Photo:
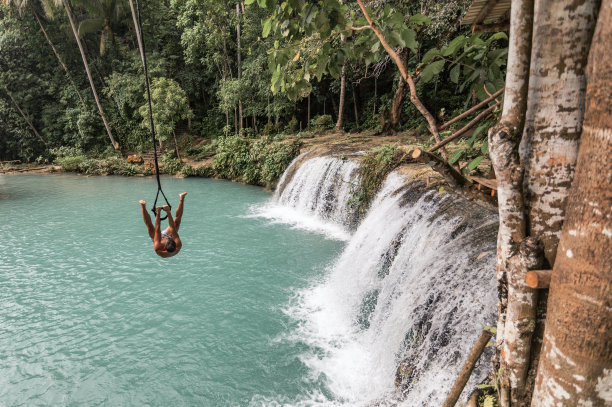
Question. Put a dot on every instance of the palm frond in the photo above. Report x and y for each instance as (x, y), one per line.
(90, 25)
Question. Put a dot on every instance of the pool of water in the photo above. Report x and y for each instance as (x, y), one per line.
(91, 316)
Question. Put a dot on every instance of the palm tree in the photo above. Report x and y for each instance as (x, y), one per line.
(103, 15)
(93, 87)
(21, 5)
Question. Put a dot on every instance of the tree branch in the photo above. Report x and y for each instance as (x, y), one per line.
(433, 127)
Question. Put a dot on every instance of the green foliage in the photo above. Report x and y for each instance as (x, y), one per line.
(205, 171)
(259, 162)
(373, 169)
(316, 38)
(170, 107)
(473, 150)
(474, 63)
(93, 166)
(322, 122)
(170, 165)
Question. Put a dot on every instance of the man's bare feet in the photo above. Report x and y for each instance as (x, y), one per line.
(166, 208)
(182, 196)
(143, 202)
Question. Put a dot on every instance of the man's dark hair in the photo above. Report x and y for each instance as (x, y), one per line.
(170, 245)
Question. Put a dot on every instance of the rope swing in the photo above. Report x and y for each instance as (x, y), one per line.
(143, 57)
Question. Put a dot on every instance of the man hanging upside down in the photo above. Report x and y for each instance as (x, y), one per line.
(166, 243)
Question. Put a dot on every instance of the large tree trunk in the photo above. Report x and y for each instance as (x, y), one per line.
(576, 364)
(533, 178)
(504, 141)
(91, 83)
(59, 58)
(239, 64)
(341, 101)
(561, 40)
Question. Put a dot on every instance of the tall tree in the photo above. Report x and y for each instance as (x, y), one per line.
(102, 16)
(91, 82)
(534, 165)
(22, 5)
(576, 364)
(238, 55)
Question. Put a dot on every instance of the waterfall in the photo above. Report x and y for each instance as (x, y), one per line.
(412, 289)
(316, 195)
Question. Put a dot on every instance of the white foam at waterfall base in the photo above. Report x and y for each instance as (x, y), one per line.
(360, 322)
(317, 198)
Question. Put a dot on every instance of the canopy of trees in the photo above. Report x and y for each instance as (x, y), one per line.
(221, 68)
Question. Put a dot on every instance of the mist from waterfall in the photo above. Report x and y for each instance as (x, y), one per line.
(414, 286)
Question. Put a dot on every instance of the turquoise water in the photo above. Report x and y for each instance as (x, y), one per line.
(91, 316)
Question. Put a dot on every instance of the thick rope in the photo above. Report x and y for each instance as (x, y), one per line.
(143, 57)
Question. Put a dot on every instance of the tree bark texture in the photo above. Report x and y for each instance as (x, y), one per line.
(561, 40)
(342, 97)
(521, 319)
(576, 364)
(504, 141)
(91, 83)
(398, 97)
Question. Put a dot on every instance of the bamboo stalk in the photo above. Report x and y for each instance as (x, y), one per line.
(468, 367)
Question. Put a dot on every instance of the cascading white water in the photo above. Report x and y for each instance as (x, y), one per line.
(317, 196)
(414, 286)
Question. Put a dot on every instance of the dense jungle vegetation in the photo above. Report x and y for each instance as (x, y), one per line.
(236, 79)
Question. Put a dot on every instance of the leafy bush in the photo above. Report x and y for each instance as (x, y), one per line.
(205, 171)
(170, 165)
(322, 122)
(258, 162)
(71, 163)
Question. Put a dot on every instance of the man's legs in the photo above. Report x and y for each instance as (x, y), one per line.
(179, 211)
(147, 219)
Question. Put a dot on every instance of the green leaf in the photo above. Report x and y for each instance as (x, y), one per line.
(249, 2)
(419, 20)
(454, 45)
(497, 36)
(409, 37)
(480, 129)
(431, 54)
(455, 156)
(267, 26)
(474, 163)
(454, 74)
(396, 39)
(396, 19)
(432, 69)
(485, 147)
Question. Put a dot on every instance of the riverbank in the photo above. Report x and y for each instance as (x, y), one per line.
(260, 161)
